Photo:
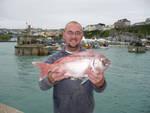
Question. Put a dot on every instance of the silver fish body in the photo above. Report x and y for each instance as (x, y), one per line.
(75, 65)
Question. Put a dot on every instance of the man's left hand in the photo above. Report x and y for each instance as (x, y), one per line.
(96, 78)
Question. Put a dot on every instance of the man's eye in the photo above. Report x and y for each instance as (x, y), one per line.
(78, 33)
(70, 32)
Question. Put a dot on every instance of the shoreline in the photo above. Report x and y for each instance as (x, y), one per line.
(8, 41)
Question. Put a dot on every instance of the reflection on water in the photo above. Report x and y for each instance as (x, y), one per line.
(128, 89)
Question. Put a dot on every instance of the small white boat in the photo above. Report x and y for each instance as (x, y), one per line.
(104, 47)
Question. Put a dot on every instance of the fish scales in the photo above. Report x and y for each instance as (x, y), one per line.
(76, 64)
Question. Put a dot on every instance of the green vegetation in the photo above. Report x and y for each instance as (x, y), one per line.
(5, 37)
(97, 33)
(105, 33)
(91, 34)
(141, 31)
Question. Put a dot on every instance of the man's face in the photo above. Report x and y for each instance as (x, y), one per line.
(73, 35)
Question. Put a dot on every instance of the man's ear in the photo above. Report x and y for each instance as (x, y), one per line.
(63, 37)
(63, 34)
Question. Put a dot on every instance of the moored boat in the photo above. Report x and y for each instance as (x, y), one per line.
(136, 47)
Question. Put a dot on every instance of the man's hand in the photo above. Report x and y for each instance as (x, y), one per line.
(56, 74)
(96, 78)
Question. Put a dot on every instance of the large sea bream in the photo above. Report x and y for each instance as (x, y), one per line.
(76, 64)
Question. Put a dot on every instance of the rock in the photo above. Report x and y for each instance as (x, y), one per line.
(7, 109)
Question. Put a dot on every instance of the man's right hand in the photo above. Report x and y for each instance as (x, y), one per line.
(56, 74)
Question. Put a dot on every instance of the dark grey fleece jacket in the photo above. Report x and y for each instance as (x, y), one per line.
(70, 96)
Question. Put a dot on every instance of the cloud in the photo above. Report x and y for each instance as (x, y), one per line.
(56, 13)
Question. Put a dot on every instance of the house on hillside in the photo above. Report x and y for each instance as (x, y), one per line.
(94, 27)
(147, 21)
(122, 23)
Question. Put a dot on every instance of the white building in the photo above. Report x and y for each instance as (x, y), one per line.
(93, 27)
(122, 23)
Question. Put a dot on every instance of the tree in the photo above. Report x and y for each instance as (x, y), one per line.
(5, 37)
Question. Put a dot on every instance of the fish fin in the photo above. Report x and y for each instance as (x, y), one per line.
(44, 68)
(84, 81)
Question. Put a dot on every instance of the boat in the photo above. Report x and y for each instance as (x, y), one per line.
(136, 47)
(104, 47)
(147, 47)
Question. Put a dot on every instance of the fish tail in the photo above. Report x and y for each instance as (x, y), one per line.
(44, 68)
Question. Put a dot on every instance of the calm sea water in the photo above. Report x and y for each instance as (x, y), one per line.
(128, 79)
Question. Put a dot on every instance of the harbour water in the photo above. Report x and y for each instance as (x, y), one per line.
(128, 79)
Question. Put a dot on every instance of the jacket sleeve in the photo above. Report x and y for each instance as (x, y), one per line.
(100, 89)
(44, 84)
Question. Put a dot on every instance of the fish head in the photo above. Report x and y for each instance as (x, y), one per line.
(100, 64)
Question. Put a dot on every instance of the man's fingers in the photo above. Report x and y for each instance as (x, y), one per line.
(57, 76)
(94, 77)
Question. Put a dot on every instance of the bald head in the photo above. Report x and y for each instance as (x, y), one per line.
(73, 22)
(72, 35)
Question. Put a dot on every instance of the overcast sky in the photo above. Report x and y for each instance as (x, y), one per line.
(56, 13)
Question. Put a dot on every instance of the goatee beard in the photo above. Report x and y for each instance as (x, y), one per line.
(74, 46)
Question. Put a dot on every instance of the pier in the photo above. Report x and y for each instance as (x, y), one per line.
(27, 44)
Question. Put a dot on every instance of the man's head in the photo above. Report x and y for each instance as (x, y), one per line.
(72, 35)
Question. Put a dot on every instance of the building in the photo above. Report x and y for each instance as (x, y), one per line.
(146, 22)
(94, 27)
(122, 23)
(27, 44)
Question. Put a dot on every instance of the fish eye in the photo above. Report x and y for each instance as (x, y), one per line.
(103, 61)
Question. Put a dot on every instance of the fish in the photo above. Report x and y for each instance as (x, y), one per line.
(76, 64)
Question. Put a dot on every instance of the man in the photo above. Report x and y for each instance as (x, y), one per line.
(69, 95)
